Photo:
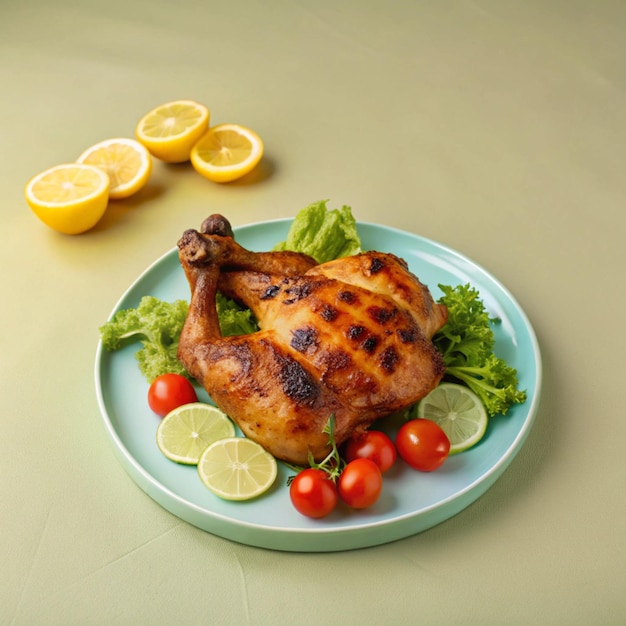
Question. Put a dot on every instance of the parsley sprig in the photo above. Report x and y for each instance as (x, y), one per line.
(467, 342)
(332, 463)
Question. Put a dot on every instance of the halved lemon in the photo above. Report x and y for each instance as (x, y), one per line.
(170, 130)
(237, 469)
(127, 163)
(460, 413)
(186, 432)
(227, 152)
(70, 198)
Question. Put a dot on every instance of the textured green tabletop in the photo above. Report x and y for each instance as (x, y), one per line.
(496, 128)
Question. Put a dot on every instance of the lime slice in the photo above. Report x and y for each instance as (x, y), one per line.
(237, 469)
(186, 432)
(459, 412)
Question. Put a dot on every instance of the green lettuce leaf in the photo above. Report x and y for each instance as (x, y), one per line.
(234, 319)
(323, 233)
(157, 325)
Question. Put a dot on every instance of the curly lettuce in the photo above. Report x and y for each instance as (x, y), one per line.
(157, 325)
(234, 319)
(466, 342)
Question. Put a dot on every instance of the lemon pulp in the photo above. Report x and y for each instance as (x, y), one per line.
(126, 161)
(170, 130)
(70, 198)
(227, 152)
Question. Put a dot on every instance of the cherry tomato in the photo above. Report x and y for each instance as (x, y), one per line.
(373, 445)
(423, 444)
(169, 391)
(360, 483)
(313, 493)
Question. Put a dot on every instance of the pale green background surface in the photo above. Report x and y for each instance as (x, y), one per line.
(497, 128)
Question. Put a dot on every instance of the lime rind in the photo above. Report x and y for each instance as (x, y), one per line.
(186, 432)
(460, 413)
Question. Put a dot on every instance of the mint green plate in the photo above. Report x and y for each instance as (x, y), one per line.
(411, 501)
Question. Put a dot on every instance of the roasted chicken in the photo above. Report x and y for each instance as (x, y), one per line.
(351, 337)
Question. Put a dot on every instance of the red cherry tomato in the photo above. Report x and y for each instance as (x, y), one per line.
(169, 391)
(360, 483)
(422, 444)
(313, 493)
(373, 445)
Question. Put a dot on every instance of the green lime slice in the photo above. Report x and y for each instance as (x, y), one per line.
(186, 432)
(237, 469)
(460, 413)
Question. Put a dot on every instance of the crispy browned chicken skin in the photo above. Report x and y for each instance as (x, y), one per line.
(351, 337)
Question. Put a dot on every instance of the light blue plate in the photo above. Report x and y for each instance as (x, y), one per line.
(411, 501)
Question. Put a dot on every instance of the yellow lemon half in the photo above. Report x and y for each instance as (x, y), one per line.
(170, 130)
(70, 198)
(127, 163)
(227, 152)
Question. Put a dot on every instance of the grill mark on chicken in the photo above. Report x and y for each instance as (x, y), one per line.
(354, 332)
(367, 341)
(381, 315)
(369, 344)
(376, 265)
(389, 359)
(329, 313)
(303, 339)
(297, 383)
(297, 292)
(407, 335)
(349, 297)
